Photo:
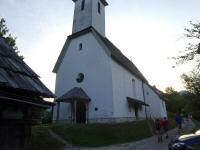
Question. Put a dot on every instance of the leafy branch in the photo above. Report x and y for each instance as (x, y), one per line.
(192, 50)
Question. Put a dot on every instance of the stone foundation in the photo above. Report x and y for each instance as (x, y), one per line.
(104, 120)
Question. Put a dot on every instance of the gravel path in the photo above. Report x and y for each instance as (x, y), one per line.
(146, 144)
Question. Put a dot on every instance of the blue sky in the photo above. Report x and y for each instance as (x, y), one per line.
(146, 31)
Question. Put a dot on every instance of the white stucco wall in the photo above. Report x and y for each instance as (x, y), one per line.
(163, 110)
(98, 20)
(89, 16)
(157, 108)
(106, 82)
(122, 88)
(95, 64)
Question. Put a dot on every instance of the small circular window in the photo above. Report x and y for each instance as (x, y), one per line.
(80, 77)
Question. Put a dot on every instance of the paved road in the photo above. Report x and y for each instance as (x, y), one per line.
(146, 144)
(152, 144)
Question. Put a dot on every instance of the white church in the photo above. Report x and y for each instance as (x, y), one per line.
(95, 82)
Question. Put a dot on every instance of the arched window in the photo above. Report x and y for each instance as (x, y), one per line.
(99, 8)
(80, 46)
(83, 5)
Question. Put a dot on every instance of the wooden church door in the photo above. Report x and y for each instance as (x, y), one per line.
(80, 112)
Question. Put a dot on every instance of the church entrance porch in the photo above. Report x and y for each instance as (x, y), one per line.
(79, 102)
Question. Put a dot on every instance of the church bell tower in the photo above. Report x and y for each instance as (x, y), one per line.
(89, 13)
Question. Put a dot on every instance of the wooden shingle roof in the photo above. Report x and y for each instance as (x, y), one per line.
(16, 74)
(74, 94)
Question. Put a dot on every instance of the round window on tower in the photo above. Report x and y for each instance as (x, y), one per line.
(80, 77)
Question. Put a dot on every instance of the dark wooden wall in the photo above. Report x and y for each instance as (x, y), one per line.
(14, 135)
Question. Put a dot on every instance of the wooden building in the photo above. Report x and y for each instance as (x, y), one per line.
(21, 98)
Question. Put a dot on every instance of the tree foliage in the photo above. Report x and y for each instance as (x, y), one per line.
(4, 32)
(192, 50)
(170, 90)
(192, 84)
(192, 81)
(3, 28)
(175, 101)
(183, 102)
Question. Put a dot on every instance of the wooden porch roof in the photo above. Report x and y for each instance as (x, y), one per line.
(74, 94)
(135, 101)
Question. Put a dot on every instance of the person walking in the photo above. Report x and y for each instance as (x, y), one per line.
(158, 130)
(178, 120)
(166, 127)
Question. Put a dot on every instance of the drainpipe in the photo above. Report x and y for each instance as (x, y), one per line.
(144, 99)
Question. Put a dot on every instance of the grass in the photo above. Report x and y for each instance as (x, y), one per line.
(41, 140)
(96, 135)
(91, 135)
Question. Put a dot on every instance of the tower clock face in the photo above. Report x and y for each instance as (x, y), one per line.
(80, 77)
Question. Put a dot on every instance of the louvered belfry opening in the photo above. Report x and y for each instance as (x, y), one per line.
(79, 102)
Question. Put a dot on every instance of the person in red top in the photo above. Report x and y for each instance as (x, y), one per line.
(165, 126)
(158, 129)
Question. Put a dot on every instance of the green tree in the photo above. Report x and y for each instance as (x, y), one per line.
(191, 81)
(3, 28)
(192, 84)
(170, 90)
(175, 101)
(4, 32)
